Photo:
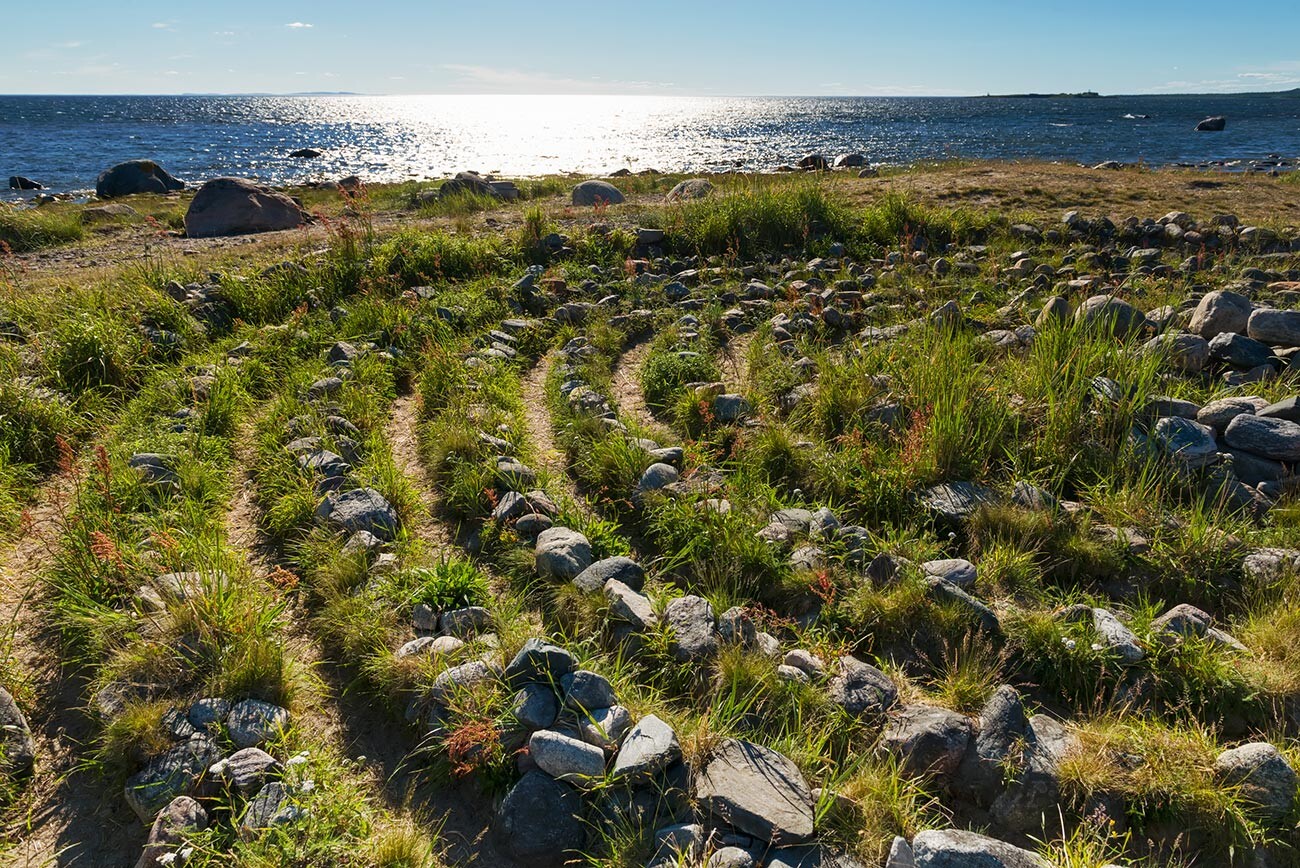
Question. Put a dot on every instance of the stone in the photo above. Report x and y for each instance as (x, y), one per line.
(693, 634)
(590, 193)
(657, 476)
(561, 553)
(1218, 312)
(860, 688)
(928, 740)
(957, 571)
(465, 623)
(1188, 443)
(1117, 637)
(736, 627)
(534, 707)
(806, 662)
(1182, 352)
(1287, 409)
(431, 645)
(1238, 351)
(110, 213)
(1112, 314)
(900, 854)
(756, 790)
(680, 844)
(605, 727)
(358, 510)
(540, 821)
(18, 182)
(947, 594)
(206, 714)
(730, 857)
(1267, 780)
(1030, 803)
(253, 722)
(649, 748)
(785, 672)
(810, 856)
(955, 501)
(564, 758)
(17, 747)
(1215, 124)
(1277, 328)
(1003, 728)
(628, 606)
(245, 770)
(236, 206)
(462, 677)
(1277, 439)
(538, 661)
(956, 848)
(618, 569)
(1218, 414)
(270, 807)
(171, 774)
(730, 408)
(135, 176)
(182, 816)
(585, 690)
(692, 188)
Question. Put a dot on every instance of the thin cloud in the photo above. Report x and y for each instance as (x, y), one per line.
(299, 25)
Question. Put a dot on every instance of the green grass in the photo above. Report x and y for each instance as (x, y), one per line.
(29, 230)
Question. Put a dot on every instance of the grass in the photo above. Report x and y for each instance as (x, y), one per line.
(29, 230)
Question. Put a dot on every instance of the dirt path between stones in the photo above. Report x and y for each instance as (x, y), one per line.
(734, 360)
(64, 816)
(404, 442)
(626, 387)
(541, 433)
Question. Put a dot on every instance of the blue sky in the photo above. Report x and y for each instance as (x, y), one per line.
(669, 47)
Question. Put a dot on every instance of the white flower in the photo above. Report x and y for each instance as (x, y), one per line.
(166, 858)
(308, 785)
(187, 852)
(298, 759)
(1068, 643)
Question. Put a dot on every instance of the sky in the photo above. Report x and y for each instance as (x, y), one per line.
(701, 47)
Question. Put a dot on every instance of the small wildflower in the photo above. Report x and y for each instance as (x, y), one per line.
(308, 785)
(166, 858)
(298, 759)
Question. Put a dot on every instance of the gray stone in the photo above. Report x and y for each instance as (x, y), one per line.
(785, 672)
(1189, 443)
(1112, 314)
(183, 816)
(806, 662)
(900, 854)
(736, 627)
(465, 623)
(691, 622)
(17, 747)
(947, 594)
(628, 606)
(358, 510)
(565, 758)
(236, 206)
(208, 713)
(692, 188)
(245, 770)
(1277, 328)
(730, 857)
(269, 808)
(1269, 438)
(860, 688)
(252, 722)
(431, 645)
(1220, 311)
(597, 193)
(1182, 620)
(648, 749)
(1218, 414)
(757, 791)
(1117, 637)
(1239, 351)
(957, 571)
(541, 662)
(535, 707)
(585, 690)
(1030, 803)
(955, 848)
(657, 476)
(605, 727)
(562, 553)
(540, 821)
(928, 740)
(172, 774)
(955, 501)
(1003, 728)
(1182, 352)
(679, 844)
(135, 176)
(1267, 780)
(619, 569)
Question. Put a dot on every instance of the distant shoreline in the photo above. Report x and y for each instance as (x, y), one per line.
(1293, 93)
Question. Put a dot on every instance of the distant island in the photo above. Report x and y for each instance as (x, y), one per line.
(1087, 94)
(1092, 94)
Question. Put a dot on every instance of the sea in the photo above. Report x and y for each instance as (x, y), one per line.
(64, 142)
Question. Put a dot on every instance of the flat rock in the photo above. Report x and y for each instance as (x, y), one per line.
(564, 758)
(619, 569)
(1269, 438)
(628, 606)
(955, 848)
(172, 774)
(694, 633)
(358, 510)
(957, 571)
(860, 688)
(649, 748)
(756, 790)
(252, 722)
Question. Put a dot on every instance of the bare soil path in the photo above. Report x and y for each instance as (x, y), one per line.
(64, 816)
(541, 432)
(626, 387)
(404, 442)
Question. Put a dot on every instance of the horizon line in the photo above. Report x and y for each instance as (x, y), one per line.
(345, 93)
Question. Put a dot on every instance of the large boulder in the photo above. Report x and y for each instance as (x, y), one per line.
(1218, 312)
(692, 188)
(597, 193)
(358, 510)
(1215, 124)
(136, 176)
(235, 206)
(1270, 438)
(540, 820)
(1265, 777)
(757, 791)
(1277, 328)
(1113, 314)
